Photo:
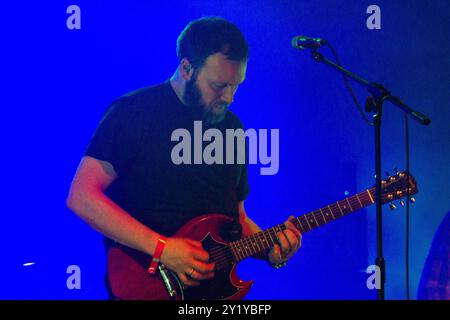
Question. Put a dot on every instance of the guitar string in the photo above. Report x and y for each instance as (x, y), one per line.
(249, 242)
(224, 254)
(227, 252)
(318, 213)
(251, 239)
(251, 247)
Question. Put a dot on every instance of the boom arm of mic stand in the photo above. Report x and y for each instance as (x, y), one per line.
(416, 115)
(377, 90)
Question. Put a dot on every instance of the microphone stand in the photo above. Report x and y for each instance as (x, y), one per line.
(378, 94)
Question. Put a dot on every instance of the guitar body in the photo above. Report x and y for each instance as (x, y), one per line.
(129, 280)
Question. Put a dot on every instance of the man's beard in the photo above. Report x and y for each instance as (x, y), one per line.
(193, 98)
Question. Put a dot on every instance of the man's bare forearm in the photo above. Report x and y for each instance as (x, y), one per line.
(105, 216)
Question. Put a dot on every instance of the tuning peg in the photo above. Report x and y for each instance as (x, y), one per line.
(412, 199)
(401, 203)
(392, 206)
(388, 174)
(396, 170)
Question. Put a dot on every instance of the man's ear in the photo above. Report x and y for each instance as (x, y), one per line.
(186, 69)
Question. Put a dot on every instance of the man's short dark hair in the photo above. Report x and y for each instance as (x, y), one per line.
(209, 35)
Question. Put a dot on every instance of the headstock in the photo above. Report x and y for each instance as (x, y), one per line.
(395, 187)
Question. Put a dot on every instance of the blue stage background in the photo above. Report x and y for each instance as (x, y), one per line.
(56, 84)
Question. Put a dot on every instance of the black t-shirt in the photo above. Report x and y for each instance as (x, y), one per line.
(134, 135)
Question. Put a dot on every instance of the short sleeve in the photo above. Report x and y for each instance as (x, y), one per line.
(114, 140)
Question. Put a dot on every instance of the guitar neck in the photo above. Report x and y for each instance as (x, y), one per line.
(258, 243)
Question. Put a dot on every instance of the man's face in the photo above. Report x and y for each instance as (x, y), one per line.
(212, 88)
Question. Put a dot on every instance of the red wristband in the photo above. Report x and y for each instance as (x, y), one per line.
(157, 255)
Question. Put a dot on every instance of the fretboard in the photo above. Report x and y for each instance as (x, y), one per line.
(258, 243)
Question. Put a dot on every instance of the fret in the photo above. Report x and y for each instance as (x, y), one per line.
(273, 242)
(265, 239)
(345, 207)
(342, 214)
(255, 247)
(324, 219)
(314, 216)
(306, 218)
(245, 247)
(265, 242)
(349, 204)
(318, 217)
(274, 234)
(234, 252)
(257, 242)
(370, 196)
(359, 201)
(297, 224)
(241, 249)
(252, 245)
(250, 240)
(311, 220)
(238, 250)
(303, 228)
(329, 208)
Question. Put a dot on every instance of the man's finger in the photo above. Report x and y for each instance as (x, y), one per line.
(296, 232)
(204, 267)
(200, 254)
(186, 281)
(292, 238)
(284, 243)
(290, 225)
(196, 275)
(288, 236)
(275, 254)
(196, 244)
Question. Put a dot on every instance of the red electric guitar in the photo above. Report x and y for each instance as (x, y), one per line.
(127, 268)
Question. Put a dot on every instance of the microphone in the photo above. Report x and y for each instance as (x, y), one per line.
(302, 42)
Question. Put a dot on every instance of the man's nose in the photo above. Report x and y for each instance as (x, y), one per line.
(228, 95)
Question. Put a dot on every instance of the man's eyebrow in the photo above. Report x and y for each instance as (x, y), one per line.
(218, 82)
